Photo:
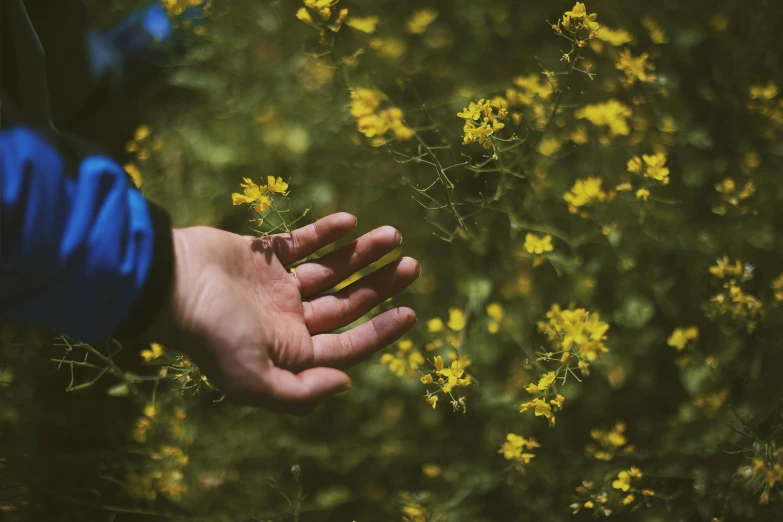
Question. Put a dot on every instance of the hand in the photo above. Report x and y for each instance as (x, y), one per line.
(260, 332)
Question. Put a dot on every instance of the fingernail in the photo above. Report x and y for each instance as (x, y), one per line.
(347, 387)
(355, 221)
(418, 269)
(399, 238)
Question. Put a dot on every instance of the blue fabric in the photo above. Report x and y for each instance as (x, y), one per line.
(76, 241)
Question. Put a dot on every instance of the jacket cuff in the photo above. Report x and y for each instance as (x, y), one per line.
(159, 283)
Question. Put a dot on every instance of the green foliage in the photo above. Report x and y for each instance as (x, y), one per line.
(630, 177)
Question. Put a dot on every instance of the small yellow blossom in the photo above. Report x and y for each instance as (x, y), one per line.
(134, 172)
(276, 185)
(420, 20)
(457, 320)
(642, 194)
(585, 192)
(654, 29)
(538, 245)
(635, 68)
(154, 352)
(611, 114)
(304, 15)
(433, 401)
(495, 311)
(435, 325)
(680, 337)
(366, 24)
(540, 407)
(614, 37)
(623, 481)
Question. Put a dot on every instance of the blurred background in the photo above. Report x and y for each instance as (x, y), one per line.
(261, 88)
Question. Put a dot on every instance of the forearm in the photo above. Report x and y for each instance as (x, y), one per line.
(81, 251)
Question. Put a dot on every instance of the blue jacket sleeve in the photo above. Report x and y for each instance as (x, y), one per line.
(81, 250)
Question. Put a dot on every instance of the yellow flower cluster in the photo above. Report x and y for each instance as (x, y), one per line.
(585, 192)
(764, 472)
(635, 68)
(538, 245)
(155, 350)
(439, 332)
(532, 92)
(323, 8)
(732, 197)
(578, 18)
(481, 122)
(609, 443)
(734, 302)
(576, 332)
(259, 196)
(680, 337)
(406, 361)
(446, 379)
(624, 479)
(611, 114)
(652, 166)
(765, 101)
(374, 122)
(141, 146)
(540, 405)
(518, 450)
(619, 496)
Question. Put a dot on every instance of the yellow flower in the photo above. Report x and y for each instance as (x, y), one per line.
(432, 400)
(635, 68)
(435, 325)
(578, 11)
(142, 132)
(541, 408)
(405, 345)
(538, 245)
(628, 499)
(457, 319)
(279, 186)
(438, 361)
(253, 194)
(366, 24)
(473, 111)
(304, 15)
(655, 167)
(656, 32)
(614, 37)
(585, 192)
(150, 410)
(134, 173)
(680, 337)
(426, 379)
(624, 187)
(623, 481)
(642, 194)
(611, 114)
(764, 92)
(495, 311)
(546, 381)
(635, 472)
(420, 20)
(154, 352)
(388, 47)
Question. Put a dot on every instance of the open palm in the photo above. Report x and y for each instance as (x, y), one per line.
(260, 331)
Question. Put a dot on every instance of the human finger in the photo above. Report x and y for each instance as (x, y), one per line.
(331, 311)
(322, 274)
(345, 349)
(298, 393)
(300, 243)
